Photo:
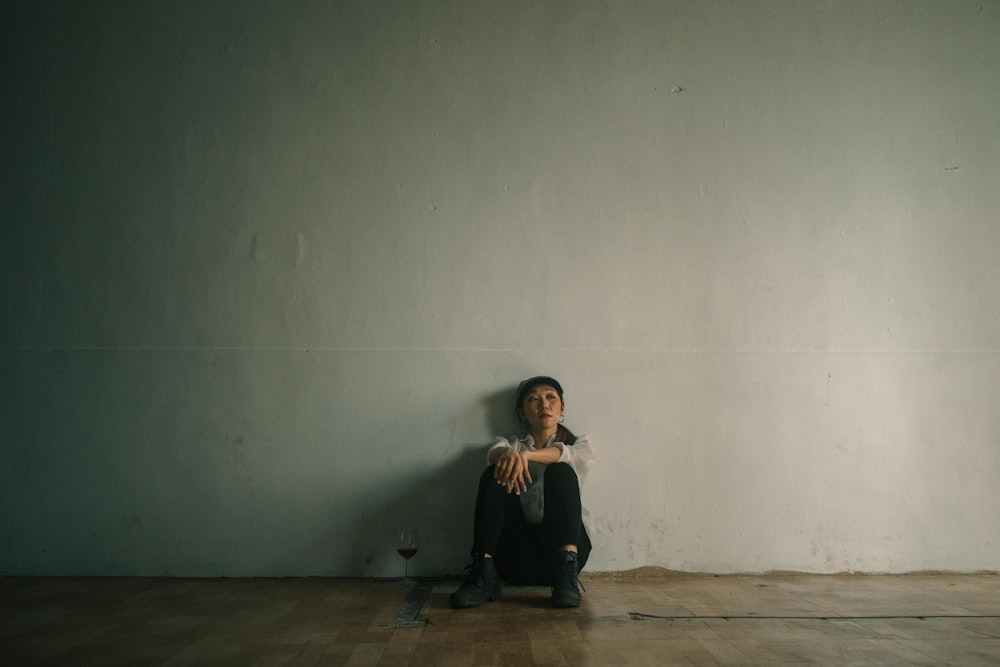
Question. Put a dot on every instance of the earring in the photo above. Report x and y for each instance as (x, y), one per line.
(562, 418)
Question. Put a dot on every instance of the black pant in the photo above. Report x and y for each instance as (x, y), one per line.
(525, 553)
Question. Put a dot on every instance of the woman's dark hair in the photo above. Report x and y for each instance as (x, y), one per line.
(563, 434)
(537, 381)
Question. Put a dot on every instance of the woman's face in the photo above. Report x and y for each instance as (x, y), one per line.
(541, 407)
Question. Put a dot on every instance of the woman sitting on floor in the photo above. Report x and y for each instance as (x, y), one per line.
(528, 527)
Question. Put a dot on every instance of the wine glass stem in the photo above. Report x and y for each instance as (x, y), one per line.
(406, 564)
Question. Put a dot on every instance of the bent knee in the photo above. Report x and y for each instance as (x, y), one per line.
(560, 472)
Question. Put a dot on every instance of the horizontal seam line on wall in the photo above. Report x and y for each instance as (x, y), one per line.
(619, 350)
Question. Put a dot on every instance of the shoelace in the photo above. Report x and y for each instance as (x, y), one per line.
(565, 575)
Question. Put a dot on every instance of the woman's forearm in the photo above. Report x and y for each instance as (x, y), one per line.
(545, 455)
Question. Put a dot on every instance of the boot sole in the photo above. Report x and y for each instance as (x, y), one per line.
(563, 603)
(462, 604)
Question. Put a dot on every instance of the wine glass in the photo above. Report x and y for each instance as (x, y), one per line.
(407, 543)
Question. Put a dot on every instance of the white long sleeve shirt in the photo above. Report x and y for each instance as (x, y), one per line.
(580, 456)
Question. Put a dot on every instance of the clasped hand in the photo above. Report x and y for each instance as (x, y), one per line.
(511, 471)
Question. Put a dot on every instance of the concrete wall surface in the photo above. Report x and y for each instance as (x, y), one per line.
(270, 272)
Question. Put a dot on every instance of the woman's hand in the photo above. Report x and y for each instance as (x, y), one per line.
(511, 471)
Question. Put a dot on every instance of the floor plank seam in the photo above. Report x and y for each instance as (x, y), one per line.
(637, 616)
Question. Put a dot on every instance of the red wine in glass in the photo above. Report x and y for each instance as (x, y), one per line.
(407, 543)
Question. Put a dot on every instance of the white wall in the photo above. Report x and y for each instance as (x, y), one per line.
(270, 272)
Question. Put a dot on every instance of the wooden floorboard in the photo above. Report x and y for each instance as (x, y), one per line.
(673, 620)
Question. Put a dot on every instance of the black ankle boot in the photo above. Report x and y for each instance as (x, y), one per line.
(481, 585)
(564, 591)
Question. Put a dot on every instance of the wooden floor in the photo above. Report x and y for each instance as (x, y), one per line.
(673, 620)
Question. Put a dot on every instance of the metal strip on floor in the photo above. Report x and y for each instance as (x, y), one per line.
(407, 615)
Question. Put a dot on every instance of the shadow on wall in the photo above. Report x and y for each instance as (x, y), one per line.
(437, 501)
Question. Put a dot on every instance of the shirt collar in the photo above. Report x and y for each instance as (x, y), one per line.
(529, 441)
